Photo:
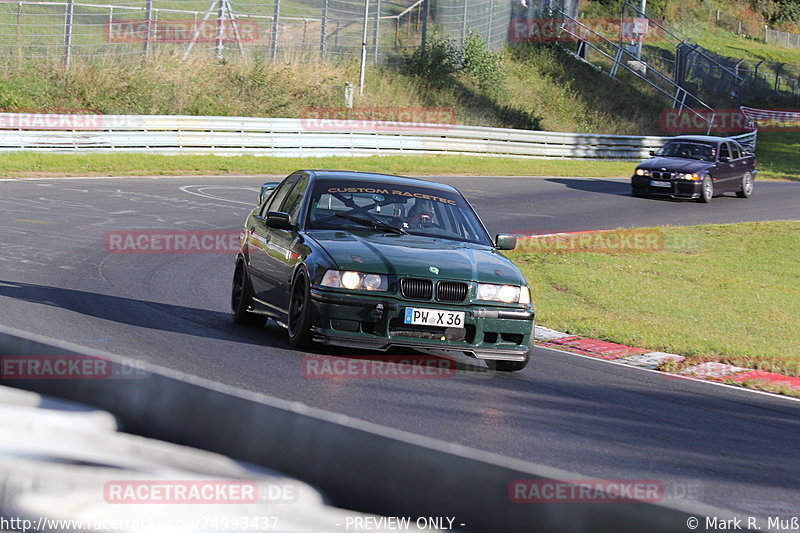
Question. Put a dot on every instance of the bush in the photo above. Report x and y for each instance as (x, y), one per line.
(778, 11)
(436, 64)
(485, 65)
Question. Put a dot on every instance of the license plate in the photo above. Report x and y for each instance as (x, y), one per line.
(434, 317)
(654, 183)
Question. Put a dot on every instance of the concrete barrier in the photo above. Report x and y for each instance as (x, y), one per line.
(359, 465)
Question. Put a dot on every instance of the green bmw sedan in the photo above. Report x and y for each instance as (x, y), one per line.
(373, 261)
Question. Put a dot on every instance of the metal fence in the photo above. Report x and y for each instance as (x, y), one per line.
(488, 18)
(311, 29)
(625, 61)
(274, 29)
(293, 137)
(782, 38)
(718, 80)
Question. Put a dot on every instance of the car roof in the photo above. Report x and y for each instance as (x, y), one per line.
(704, 138)
(376, 177)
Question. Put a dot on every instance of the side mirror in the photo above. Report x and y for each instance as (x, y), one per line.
(724, 159)
(276, 219)
(652, 152)
(266, 190)
(505, 241)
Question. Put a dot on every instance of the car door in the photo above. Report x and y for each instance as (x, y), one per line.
(260, 248)
(726, 168)
(283, 245)
(739, 164)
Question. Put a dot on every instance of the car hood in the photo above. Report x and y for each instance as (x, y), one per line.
(411, 255)
(675, 164)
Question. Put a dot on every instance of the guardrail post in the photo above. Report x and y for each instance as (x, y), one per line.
(68, 15)
(323, 30)
(275, 17)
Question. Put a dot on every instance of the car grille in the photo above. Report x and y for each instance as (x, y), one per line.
(656, 175)
(451, 291)
(416, 289)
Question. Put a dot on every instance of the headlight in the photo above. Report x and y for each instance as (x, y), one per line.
(642, 172)
(351, 280)
(690, 177)
(355, 280)
(509, 294)
(374, 282)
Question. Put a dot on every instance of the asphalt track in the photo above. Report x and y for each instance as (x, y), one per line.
(719, 445)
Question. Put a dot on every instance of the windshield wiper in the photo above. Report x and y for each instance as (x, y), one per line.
(372, 223)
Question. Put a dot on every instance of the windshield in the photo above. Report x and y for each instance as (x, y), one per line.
(393, 208)
(688, 150)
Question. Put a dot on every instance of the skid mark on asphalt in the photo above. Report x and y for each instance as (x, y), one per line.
(200, 191)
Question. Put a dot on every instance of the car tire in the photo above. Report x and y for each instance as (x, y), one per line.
(241, 296)
(637, 194)
(747, 186)
(298, 321)
(706, 190)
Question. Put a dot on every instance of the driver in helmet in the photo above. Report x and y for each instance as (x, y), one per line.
(421, 215)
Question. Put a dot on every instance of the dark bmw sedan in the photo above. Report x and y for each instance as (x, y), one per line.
(696, 167)
(373, 261)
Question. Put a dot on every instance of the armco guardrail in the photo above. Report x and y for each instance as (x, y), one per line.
(293, 137)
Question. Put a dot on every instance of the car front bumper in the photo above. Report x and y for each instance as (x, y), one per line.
(676, 189)
(376, 323)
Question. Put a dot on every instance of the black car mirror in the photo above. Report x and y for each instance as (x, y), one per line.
(652, 152)
(276, 219)
(266, 190)
(505, 241)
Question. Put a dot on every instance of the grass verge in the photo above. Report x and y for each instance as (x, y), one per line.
(26, 164)
(778, 155)
(725, 293)
(777, 159)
